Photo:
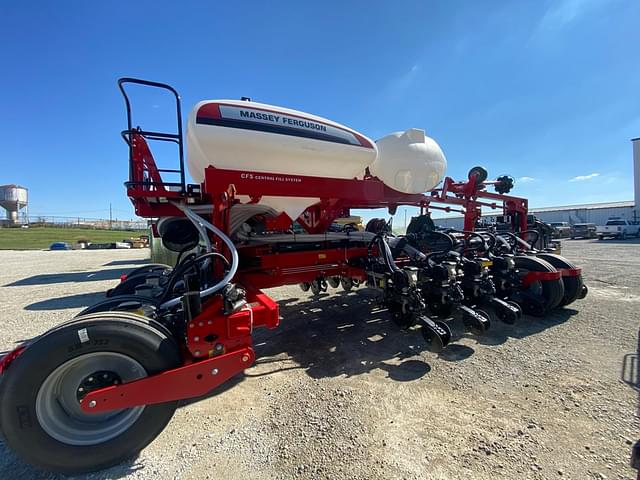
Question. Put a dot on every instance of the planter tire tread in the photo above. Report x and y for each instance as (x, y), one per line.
(126, 334)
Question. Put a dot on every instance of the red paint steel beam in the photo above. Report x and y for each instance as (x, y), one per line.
(180, 383)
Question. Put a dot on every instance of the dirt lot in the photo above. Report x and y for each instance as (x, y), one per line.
(338, 392)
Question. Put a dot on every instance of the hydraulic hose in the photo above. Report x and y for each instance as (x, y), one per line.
(201, 224)
(189, 262)
(517, 240)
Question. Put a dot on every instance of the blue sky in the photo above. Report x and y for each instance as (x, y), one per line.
(547, 91)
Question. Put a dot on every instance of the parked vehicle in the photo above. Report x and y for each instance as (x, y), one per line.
(561, 229)
(583, 230)
(617, 227)
(60, 246)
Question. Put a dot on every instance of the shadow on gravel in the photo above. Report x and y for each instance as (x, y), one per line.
(71, 301)
(12, 467)
(51, 278)
(347, 334)
(341, 334)
(456, 352)
(116, 263)
(525, 327)
(228, 385)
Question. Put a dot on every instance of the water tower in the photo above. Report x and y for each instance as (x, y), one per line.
(13, 198)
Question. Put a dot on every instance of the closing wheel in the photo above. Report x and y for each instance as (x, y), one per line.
(476, 321)
(517, 307)
(572, 285)
(550, 292)
(334, 282)
(305, 286)
(40, 393)
(347, 284)
(445, 331)
(437, 335)
(507, 312)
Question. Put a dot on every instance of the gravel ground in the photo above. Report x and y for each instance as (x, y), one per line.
(339, 393)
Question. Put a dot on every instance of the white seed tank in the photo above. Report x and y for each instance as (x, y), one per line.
(245, 135)
(409, 162)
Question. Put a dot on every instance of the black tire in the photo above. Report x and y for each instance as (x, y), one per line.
(572, 285)
(127, 335)
(507, 316)
(113, 304)
(480, 173)
(552, 290)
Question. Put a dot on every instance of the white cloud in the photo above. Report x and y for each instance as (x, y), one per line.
(583, 178)
(564, 12)
(406, 79)
(402, 83)
(526, 179)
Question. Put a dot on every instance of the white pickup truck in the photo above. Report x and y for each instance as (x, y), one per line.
(617, 227)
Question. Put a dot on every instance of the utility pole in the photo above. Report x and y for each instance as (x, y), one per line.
(110, 215)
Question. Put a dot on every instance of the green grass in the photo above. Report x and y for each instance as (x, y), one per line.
(36, 238)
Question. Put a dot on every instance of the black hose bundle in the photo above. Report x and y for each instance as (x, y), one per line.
(189, 262)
